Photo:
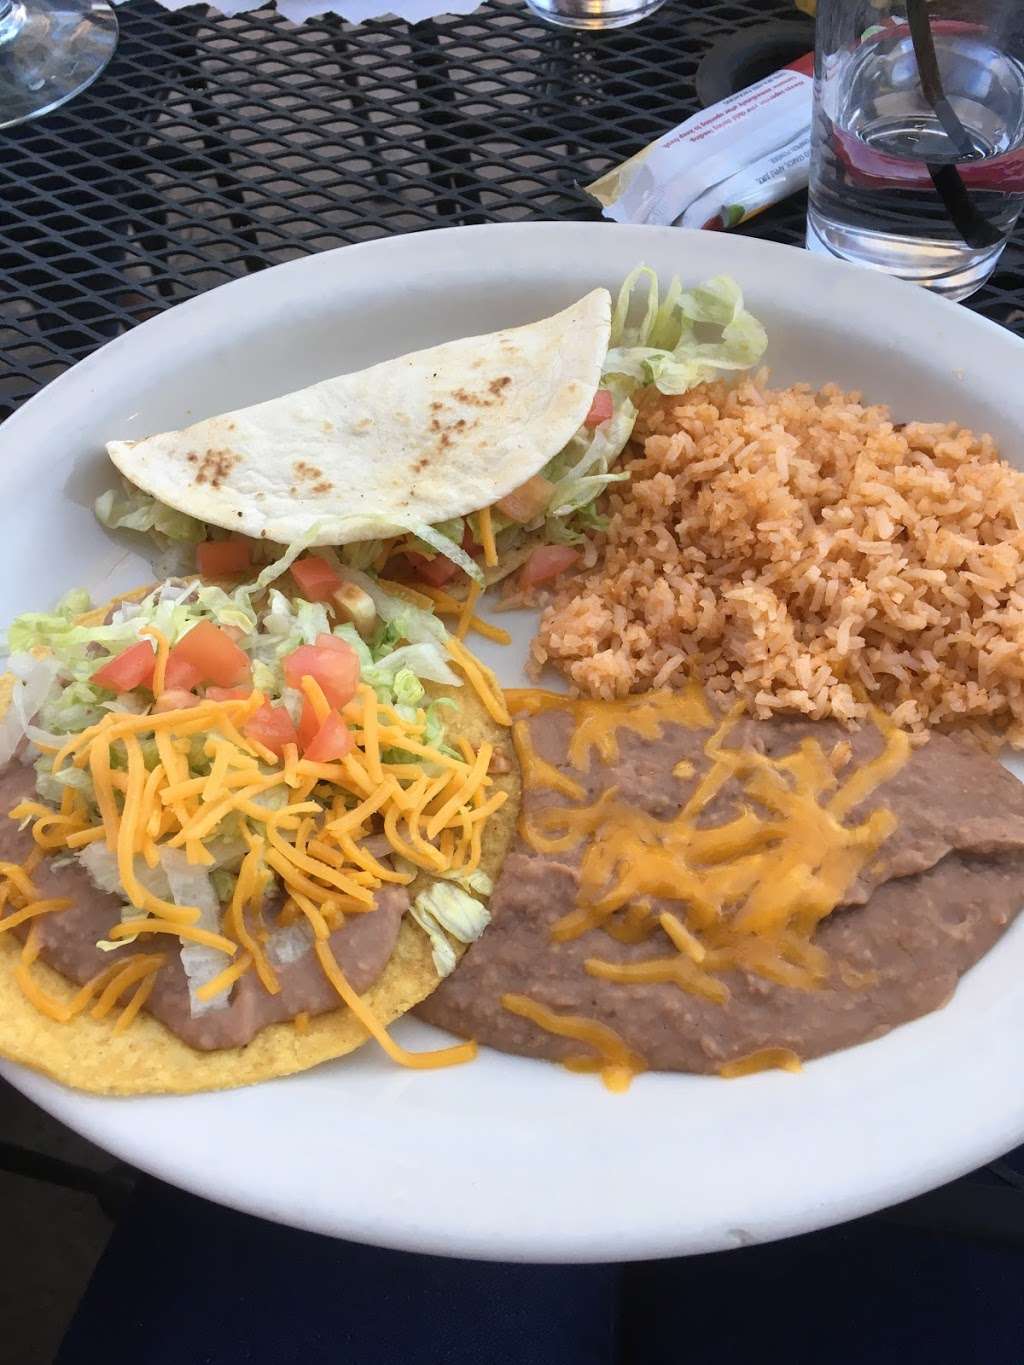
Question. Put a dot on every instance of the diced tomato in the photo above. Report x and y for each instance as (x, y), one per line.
(174, 699)
(272, 727)
(547, 562)
(222, 558)
(336, 670)
(180, 674)
(133, 667)
(332, 740)
(600, 409)
(228, 693)
(437, 571)
(527, 501)
(315, 579)
(308, 725)
(326, 641)
(214, 654)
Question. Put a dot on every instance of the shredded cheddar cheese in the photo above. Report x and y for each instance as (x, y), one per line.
(315, 694)
(485, 534)
(431, 804)
(138, 1000)
(30, 911)
(226, 979)
(418, 1061)
(767, 1059)
(612, 1057)
(447, 605)
(466, 614)
(482, 680)
(163, 649)
(130, 971)
(750, 889)
(403, 590)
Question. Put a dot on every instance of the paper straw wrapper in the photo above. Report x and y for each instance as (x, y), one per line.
(723, 165)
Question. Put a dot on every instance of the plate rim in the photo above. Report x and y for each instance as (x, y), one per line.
(403, 1232)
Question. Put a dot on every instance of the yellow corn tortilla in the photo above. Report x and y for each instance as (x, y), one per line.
(147, 1059)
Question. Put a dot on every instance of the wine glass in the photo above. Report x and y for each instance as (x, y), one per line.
(49, 51)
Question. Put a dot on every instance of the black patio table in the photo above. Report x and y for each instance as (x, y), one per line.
(212, 147)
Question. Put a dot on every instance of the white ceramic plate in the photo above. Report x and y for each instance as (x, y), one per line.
(509, 1158)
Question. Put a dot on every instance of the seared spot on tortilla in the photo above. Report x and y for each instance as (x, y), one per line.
(302, 470)
(322, 487)
(215, 466)
(482, 400)
(328, 426)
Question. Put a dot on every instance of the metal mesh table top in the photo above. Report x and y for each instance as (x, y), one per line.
(211, 147)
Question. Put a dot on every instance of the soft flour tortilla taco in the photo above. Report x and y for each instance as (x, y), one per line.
(470, 460)
(245, 838)
(418, 439)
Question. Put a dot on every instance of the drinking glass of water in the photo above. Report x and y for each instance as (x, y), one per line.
(594, 14)
(917, 164)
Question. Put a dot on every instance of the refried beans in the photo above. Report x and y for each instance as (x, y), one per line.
(924, 903)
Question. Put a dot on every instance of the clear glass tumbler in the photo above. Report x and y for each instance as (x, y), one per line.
(49, 51)
(917, 163)
(594, 14)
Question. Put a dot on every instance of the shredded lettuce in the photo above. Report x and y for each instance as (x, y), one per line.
(101, 864)
(667, 341)
(445, 908)
(51, 786)
(223, 884)
(438, 542)
(666, 347)
(453, 529)
(129, 509)
(407, 687)
(56, 657)
(193, 886)
(362, 554)
(582, 471)
(422, 660)
(173, 608)
(433, 733)
(34, 681)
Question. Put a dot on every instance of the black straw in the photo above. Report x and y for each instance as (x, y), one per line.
(972, 225)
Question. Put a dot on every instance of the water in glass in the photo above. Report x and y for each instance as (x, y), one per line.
(878, 142)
